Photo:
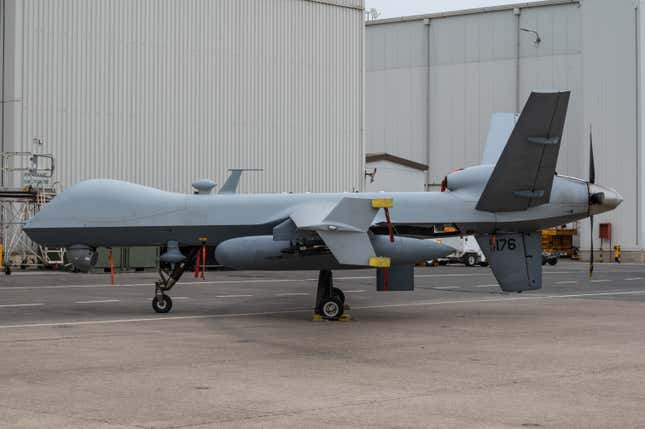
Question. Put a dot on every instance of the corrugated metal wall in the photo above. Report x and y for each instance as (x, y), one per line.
(610, 84)
(432, 86)
(162, 92)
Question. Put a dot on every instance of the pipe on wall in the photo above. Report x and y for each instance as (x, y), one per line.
(517, 12)
(639, 175)
(2, 83)
(426, 22)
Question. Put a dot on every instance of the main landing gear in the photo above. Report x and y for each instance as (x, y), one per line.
(161, 303)
(330, 301)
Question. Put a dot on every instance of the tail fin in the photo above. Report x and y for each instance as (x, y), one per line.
(233, 181)
(523, 174)
(231, 184)
(501, 127)
(515, 258)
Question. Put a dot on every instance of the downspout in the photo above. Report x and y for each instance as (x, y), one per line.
(639, 199)
(362, 180)
(2, 148)
(517, 12)
(2, 83)
(426, 22)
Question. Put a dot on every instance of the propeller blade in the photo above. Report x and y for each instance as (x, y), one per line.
(592, 164)
(591, 248)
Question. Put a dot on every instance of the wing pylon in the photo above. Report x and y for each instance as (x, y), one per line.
(344, 226)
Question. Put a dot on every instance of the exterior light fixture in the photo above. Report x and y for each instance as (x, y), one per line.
(537, 40)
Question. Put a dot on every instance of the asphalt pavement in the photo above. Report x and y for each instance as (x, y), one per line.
(239, 349)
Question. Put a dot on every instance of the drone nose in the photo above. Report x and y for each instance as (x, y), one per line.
(602, 199)
(612, 199)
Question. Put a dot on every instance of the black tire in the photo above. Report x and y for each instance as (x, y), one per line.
(162, 306)
(339, 294)
(470, 260)
(553, 261)
(483, 264)
(331, 308)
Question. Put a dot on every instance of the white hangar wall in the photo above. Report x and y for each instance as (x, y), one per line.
(162, 92)
(433, 81)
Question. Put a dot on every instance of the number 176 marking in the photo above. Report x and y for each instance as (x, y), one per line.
(501, 244)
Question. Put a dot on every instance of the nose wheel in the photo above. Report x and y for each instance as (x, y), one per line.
(162, 303)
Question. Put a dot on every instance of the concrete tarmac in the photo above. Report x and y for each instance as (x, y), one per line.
(240, 350)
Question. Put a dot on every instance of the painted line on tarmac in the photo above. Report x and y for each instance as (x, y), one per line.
(600, 281)
(527, 298)
(483, 286)
(232, 296)
(355, 291)
(152, 319)
(80, 286)
(293, 294)
(303, 310)
(39, 273)
(446, 287)
(36, 304)
(633, 279)
(98, 301)
(255, 281)
(566, 282)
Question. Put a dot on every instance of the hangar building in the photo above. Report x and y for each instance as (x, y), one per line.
(433, 82)
(163, 92)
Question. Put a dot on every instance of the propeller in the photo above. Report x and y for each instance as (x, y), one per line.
(592, 180)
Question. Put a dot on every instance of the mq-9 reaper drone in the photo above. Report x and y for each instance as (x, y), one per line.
(504, 202)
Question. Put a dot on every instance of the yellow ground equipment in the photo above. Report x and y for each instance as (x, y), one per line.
(558, 240)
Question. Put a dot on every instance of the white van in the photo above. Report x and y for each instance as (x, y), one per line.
(467, 251)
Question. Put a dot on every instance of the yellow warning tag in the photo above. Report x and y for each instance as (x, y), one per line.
(378, 262)
(382, 203)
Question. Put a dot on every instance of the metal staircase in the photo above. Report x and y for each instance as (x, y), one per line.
(19, 204)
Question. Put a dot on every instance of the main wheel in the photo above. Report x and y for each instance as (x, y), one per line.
(162, 305)
(471, 260)
(553, 261)
(339, 294)
(331, 308)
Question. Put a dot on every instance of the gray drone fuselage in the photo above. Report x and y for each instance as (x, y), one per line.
(112, 213)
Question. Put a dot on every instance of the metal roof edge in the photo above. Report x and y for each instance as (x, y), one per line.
(384, 156)
(523, 5)
(359, 6)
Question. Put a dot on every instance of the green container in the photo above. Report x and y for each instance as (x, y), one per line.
(142, 257)
(104, 258)
(128, 258)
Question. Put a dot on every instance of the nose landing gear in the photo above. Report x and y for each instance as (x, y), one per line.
(161, 303)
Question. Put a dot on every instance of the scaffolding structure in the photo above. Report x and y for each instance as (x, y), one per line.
(19, 204)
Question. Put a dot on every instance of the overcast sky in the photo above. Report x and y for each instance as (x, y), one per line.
(395, 8)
